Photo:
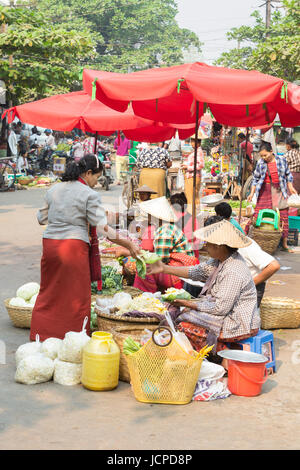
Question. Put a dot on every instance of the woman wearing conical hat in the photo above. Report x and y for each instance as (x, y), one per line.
(227, 307)
(168, 241)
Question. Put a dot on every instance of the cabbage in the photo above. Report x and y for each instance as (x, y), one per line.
(33, 299)
(28, 290)
(18, 302)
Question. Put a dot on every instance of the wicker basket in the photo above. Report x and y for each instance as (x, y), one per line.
(268, 240)
(20, 316)
(279, 312)
(120, 333)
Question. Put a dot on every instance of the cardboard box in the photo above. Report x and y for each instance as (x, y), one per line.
(59, 165)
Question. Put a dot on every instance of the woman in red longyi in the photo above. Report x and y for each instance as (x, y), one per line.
(74, 215)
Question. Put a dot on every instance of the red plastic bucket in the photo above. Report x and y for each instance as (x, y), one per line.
(246, 372)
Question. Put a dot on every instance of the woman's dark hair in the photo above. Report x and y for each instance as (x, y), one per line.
(292, 143)
(179, 199)
(213, 220)
(265, 146)
(86, 163)
(241, 135)
(223, 209)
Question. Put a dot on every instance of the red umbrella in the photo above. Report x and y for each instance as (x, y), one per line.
(78, 110)
(235, 97)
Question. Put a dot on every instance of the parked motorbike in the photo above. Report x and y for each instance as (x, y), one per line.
(106, 178)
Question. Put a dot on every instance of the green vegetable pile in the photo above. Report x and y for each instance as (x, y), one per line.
(130, 346)
(175, 294)
(145, 257)
(94, 318)
(112, 281)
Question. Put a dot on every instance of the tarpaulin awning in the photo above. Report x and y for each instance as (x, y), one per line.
(235, 97)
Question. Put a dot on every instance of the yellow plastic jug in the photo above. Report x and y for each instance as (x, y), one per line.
(100, 362)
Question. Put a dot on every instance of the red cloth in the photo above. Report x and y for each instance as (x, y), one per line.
(273, 172)
(264, 201)
(94, 254)
(239, 98)
(161, 282)
(64, 299)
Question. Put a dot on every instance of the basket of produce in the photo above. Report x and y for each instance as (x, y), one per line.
(122, 309)
(268, 240)
(24, 181)
(279, 312)
(20, 308)
(163, 370)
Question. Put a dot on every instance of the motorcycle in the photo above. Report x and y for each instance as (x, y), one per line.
(106, 178)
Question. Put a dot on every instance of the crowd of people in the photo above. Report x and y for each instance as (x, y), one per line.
(229, 281)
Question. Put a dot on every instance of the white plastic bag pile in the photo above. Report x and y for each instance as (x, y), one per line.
(33, 366)
(26, 295)
(211, 383)
(68, 365)
(60, 360)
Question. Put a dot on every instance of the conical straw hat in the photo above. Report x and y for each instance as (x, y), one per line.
(159, 208)
(223, 233)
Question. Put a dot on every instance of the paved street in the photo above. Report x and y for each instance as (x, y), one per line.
(51, 416)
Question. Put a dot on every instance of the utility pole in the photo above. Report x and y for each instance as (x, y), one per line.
(268, 13)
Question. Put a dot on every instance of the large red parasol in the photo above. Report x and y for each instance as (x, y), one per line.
(235, 97)
(77, 110)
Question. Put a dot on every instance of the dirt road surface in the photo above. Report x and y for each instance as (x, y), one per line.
(51, 416)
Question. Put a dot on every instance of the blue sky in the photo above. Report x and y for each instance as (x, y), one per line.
(211, 19)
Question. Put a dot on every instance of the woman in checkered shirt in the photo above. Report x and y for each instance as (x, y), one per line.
(227, 307)
(293, 158)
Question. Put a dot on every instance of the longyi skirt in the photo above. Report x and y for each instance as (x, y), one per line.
(64, 299)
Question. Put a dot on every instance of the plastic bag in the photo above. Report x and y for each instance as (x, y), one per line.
(34, 369)
(73, 344)
(294, 200)
(67, 373)
(28, 349)
(210, 384)
(180, 180)
(179, 337)
(50, 347)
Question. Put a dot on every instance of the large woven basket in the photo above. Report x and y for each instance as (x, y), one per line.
(120, 333)
(121, 327)
(268, 240)
(20, 316)
(279, 312)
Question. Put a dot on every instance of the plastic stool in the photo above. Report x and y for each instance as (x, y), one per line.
(268, 213)
(262, 343)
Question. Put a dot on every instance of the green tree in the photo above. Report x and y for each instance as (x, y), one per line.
(37, 59)
(129, 34)
(274, 51)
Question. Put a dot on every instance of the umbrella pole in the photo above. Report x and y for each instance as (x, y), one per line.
(244, 158)
(95, 146)
(195, 169)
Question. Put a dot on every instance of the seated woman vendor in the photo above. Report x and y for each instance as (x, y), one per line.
(168, 241)
(227, 307)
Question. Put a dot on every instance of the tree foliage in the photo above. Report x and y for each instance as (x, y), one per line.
(129, 34)
(275, 50)
(36, 58)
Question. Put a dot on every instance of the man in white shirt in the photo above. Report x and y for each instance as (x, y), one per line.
(34, 135)
(262, 266)
(50, 141)
(41, 139)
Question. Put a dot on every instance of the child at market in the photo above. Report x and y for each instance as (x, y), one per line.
(224, 210)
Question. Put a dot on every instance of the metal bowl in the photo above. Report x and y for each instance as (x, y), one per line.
(212, 200)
